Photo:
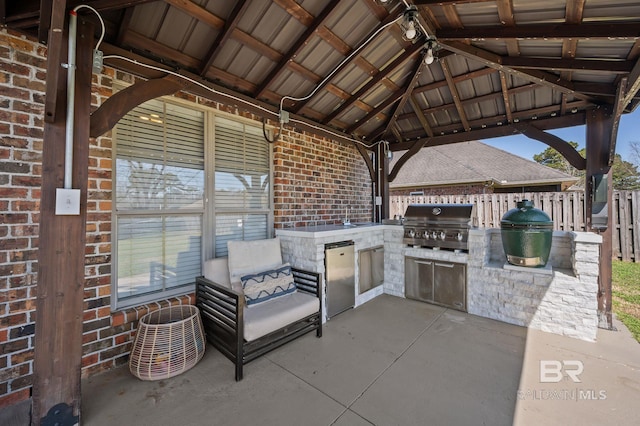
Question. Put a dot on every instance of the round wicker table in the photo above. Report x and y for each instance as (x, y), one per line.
(168, 342)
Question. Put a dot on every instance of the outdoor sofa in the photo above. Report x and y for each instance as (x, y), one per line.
(251, 302)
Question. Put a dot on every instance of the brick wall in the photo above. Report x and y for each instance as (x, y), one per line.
(317, 181)
(22, 85)
(314, 181)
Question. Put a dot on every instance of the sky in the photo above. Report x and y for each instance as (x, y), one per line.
(628, 131)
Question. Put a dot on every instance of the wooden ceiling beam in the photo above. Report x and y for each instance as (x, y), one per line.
(408, 89)
(344, 64)
(457, 79)
(297, 47)
(220, 94)
(572, 15)
(505, 13)
(455, 95)
(494, 61)
(28, 14)
(505, 96)
(620, 30)
(137, 40)
(377, 110)
(307, 19)
(405, 56)
(225, 33)
(451, 13)
(569, 64)
(477, 99)
(198, 12)
(421, 117)
(535, 115)
(494, 132)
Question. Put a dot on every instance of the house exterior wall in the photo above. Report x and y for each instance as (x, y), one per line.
(315, 180)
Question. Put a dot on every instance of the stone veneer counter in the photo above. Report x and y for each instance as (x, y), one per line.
(304, 248)
(561, 298)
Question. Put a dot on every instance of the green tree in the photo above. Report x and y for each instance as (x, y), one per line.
(625, 174)
(552, 158)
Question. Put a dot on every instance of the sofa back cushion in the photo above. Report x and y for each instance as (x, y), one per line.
(217, 270)
(250, 257)
(267, 285)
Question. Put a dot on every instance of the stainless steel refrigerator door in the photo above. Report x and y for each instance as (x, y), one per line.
(340, 277)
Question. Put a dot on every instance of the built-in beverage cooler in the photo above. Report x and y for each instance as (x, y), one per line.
(340, 276)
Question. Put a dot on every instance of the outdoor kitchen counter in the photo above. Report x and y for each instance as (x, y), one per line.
(328, 230)
(304, 247)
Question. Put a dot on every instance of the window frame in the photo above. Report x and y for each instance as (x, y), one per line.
(207, 212)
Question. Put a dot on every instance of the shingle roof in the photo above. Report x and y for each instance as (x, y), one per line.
(472, 162)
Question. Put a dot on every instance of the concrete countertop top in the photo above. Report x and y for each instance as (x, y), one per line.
(330, 230)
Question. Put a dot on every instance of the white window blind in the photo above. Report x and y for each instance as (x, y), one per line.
(160, 210)
(159, 201)
(242, 186)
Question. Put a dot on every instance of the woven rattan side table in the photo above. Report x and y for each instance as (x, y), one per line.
(168, 342)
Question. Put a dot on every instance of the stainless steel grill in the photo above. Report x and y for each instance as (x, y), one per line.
(439, 226)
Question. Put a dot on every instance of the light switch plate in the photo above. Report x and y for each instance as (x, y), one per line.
(67, 201)
(378, 201)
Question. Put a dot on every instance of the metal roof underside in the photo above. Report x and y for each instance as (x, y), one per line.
(502, 65)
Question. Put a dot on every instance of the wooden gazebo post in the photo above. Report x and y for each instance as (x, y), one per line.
(599, 148)
(61, 254)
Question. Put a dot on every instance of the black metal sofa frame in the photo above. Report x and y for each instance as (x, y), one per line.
(222, 310)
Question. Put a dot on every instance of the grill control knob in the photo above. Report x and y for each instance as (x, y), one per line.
(442, 235)
(434, 235)
(411, 233)
(459, 236)
(426, 235)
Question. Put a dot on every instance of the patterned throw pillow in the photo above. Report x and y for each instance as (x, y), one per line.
(267, 285)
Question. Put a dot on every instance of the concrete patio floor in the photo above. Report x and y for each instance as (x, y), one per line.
(391, 362)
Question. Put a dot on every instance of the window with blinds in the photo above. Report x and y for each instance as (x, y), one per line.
(242, 183)
(160, 187)
(159, 201)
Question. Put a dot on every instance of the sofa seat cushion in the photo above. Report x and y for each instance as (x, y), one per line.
(263, 318)
(266, 285)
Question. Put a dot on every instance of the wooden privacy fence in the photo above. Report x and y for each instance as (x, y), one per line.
(566, 209)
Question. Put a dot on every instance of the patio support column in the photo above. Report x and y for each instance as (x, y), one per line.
(61, 254)
(599, 141)
(382, 182)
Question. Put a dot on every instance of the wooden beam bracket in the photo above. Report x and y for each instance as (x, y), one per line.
(117, 106)
(567, 151)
